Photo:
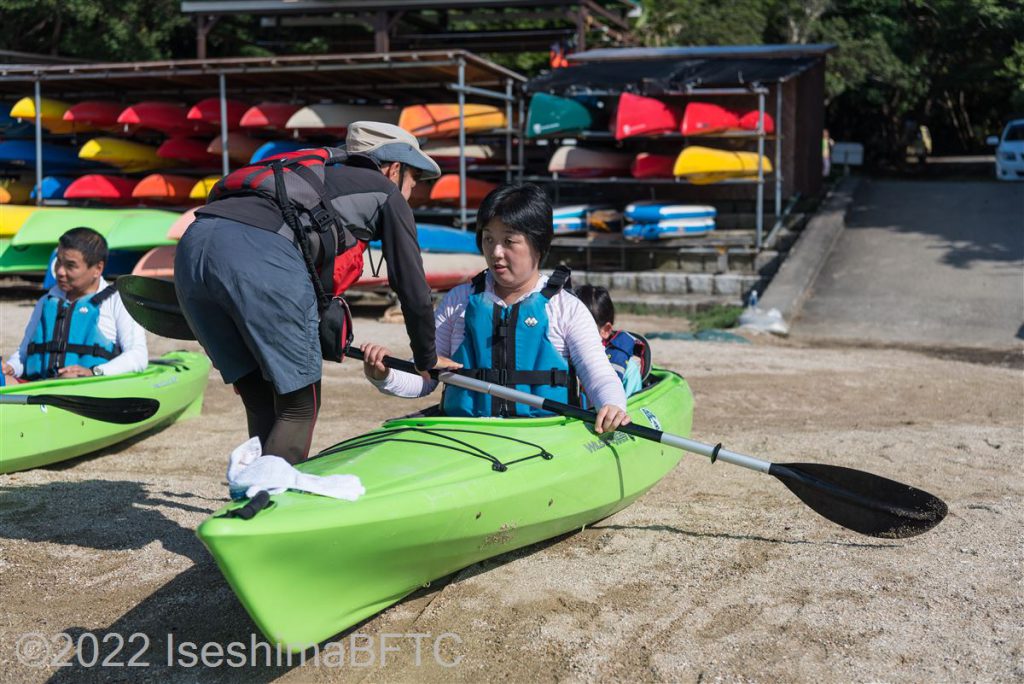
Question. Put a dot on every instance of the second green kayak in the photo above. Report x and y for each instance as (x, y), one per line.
(441, 494)
(33, 436)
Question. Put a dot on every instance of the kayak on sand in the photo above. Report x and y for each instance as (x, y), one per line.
(441, 494)
(34, 436)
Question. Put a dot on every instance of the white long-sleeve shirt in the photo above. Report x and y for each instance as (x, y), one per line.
(571, 329)
(114, 322)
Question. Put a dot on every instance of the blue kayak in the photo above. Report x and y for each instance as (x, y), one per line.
(21, 154)
(670, 228)
(442, 240)
(269, 149)
(53, 187)
(651, 212)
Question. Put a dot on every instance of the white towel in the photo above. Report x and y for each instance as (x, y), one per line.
(249, 471)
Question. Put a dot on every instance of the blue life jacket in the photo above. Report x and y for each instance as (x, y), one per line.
(68, 334)
(509, 346)
(619, 348)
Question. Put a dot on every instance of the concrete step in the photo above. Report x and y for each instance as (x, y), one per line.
(672, 284)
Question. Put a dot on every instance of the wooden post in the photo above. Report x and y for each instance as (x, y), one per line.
(381, 39)
(203, 26)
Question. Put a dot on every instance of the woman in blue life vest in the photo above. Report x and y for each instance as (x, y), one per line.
(512, 325)
(80, 327)
(625, 350)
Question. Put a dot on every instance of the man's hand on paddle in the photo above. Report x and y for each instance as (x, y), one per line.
(374, 368)
(610, 418)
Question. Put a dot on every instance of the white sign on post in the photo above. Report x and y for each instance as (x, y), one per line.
(850, 154)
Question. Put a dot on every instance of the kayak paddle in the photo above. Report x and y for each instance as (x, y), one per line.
(856, 500)
(153, 304)
(859, 501)
(109, 410)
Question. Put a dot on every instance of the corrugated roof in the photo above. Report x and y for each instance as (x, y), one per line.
(704, 52)
(665, 76)
(370, 75)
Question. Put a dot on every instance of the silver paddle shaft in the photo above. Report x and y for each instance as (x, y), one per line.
(677, 441)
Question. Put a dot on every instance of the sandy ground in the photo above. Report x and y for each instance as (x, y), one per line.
(717, 574)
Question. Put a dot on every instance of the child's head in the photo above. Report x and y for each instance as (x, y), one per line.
(599, 302)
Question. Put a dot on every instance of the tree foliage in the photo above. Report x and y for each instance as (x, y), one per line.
(954, 65)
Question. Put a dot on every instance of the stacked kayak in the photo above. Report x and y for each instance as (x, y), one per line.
(38, 435)
(579, 218)
(552, 115)
(441, 494)
(442, 120)
(663, 220)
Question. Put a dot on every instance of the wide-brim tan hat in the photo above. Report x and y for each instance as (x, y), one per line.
(389, 143)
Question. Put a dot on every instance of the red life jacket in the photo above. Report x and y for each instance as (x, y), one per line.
(295, 182)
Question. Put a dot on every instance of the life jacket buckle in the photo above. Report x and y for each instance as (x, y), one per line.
(322, 219)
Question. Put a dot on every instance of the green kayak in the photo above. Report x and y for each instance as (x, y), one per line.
(552, 115)
(125, 229)
(441, 494)
(32, 436)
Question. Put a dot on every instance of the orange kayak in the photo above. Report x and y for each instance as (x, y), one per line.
(442, 120)
(446, 190)
(166, 188)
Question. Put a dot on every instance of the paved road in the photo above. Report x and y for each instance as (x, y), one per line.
(925, 262)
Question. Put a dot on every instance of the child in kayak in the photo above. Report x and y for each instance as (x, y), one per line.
(512, 325)
(80, 327)
(624, 350)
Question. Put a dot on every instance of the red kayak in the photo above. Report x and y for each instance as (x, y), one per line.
(704, 118)
(446, 190)
(208, 110)
(268, 115)
(638, 115)
(98, 113)
(647, 165)
(106, 189)
(165, 188)
(189, 151)
(166, 117)
(748, 122)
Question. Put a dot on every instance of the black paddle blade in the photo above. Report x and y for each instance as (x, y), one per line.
(860, 501)
(154, 305)
(123, 410)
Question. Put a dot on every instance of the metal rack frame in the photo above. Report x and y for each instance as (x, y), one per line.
(760, 91)
(187, 74)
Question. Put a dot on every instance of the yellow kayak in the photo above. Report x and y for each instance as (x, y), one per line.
(131, 157)
(14, 191)
(201, 189)
(52, 114)
(709, 165)
(12, 217)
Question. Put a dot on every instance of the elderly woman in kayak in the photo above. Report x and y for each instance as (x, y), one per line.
(512, 325)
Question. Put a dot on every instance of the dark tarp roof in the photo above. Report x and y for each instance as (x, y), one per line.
(427, 74)
(666, 76)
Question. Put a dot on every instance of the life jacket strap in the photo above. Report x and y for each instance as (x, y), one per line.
(511, 378)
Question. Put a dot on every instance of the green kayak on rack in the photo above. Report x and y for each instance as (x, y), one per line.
(441, 494)
(553, 115)
(125, 229)
(33, 435)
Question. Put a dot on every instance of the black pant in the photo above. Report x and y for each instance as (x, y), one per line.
(283, 422)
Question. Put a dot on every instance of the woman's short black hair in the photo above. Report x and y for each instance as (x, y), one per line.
(599, 302)
(524, 208)
(91, 244)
